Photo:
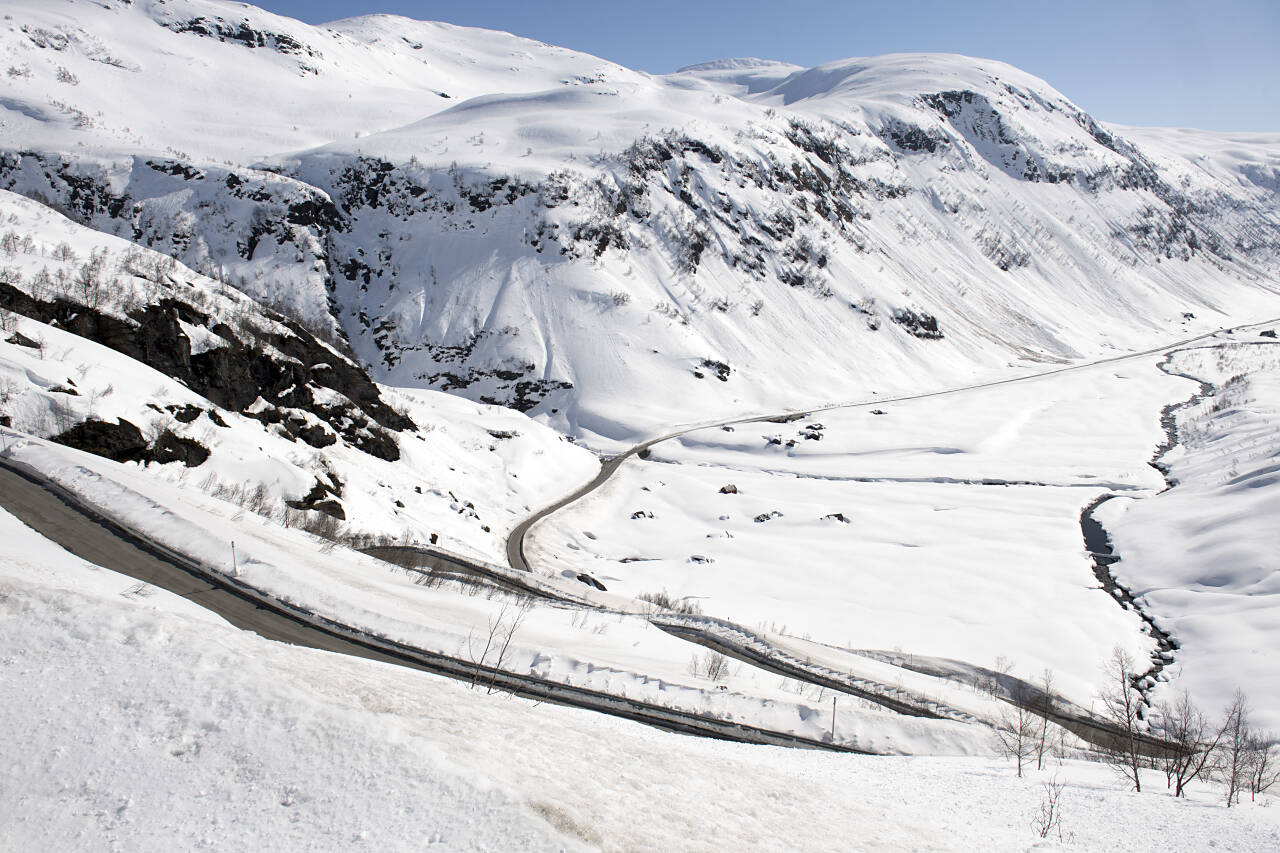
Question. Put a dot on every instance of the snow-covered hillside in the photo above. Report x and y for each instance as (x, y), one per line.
(146, 362)
(737, 236)
(1204, 553)
(135, 719)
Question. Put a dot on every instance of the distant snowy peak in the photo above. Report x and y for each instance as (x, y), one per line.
(742, 63)
(187, 76)
(741, 76)
(901, 76)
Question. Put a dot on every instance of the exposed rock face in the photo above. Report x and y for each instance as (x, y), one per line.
(122, 441)
(286, 372)
(119, 442)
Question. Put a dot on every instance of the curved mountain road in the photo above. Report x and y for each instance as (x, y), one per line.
(609, 465)
(62, 517)
(81, 529)
(1094, 731)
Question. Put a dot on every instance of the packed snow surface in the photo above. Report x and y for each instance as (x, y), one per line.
(136, 720)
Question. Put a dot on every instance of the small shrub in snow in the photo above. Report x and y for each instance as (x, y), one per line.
(65, 76)
(666, 602)
(666, 309)
(1048, 818)
(712, 666)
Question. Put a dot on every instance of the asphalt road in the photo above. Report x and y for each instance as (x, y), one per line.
(609, 466)
(104, 544)
(63, 519)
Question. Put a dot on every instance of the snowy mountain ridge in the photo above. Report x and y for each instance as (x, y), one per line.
(738, 236)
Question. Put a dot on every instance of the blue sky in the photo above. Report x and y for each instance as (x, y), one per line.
(1213, 65)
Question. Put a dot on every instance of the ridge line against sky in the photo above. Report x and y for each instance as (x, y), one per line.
(1170, 63)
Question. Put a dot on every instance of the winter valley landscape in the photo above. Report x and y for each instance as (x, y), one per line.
(415, 436)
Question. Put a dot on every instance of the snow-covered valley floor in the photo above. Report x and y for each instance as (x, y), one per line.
(135, 721)
(946, 526)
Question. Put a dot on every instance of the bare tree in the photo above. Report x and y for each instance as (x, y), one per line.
(1193, 743)
(1234, 754)
(1018, 731)
(503, 627)
(41, 285)
(89, 279)
(1060, 746)
(64, 252)
(1121, 704)
(1044, 705)
(711, 665)
(1264, 768)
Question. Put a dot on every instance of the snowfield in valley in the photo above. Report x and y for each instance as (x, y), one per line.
(947, 526)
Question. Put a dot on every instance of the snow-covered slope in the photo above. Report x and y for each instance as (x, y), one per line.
(615, 251)
(1203, 554)
(189, 77)
(136, 720)
(244, 256)
(150, 364)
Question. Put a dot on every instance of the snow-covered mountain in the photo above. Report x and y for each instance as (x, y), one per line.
(614, 251)
(120, 351)
(242, 257)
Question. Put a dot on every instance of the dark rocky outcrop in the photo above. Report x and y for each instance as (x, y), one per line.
(322, 498)
(169, 447)
(918, 324)
(237, 375)
(122, 441)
